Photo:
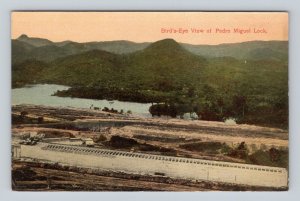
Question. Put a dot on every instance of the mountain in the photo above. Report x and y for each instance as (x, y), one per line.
(254, 50)
(46, 50)
(83, 69)
(253, 89)
(28, 72)
(52, 52)
(164, 64)
(20, 51)
(117, 47)
(160, 66)
(37, 42)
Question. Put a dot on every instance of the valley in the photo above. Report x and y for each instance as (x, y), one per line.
(172, 76)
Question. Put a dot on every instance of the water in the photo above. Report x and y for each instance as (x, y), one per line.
(40, 94)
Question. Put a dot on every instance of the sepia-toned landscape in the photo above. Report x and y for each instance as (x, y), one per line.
(165, 114)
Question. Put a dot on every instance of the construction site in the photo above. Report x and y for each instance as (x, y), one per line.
(70, 148)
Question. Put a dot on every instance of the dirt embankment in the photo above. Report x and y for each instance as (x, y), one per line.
(46, 177)
(193, 139)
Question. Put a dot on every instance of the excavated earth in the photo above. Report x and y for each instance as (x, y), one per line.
(161, 136)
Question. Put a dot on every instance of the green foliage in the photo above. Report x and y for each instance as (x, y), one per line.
(241, 151)
(251, 91)
(263, 156)
(24, 48)
(252, 50)
(271, 157)
(45, 50)
(163, 109)
(29, 72)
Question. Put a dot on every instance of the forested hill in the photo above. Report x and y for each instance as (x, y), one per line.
(162, 66)
(252, 89)
(46, 50)
(253, 50)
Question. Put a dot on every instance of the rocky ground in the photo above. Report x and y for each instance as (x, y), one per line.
(163, 136)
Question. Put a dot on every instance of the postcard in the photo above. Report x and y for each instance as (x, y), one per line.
(149, 101)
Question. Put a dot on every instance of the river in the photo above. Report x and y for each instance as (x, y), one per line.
(41, 94)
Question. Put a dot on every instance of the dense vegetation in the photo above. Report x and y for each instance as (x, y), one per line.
(25, 47)
(175, 80)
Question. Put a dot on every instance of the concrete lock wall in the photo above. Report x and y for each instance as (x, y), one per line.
(176, 167)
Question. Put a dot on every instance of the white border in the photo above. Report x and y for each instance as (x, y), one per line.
(292, 6)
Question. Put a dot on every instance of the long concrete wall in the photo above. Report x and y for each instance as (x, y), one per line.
(176, 167)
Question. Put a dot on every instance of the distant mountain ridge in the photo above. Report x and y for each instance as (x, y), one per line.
(248, 81)
(46, 50)
(254, 50)
(160, 65)
(37, 42)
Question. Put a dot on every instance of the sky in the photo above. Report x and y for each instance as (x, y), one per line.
(212, 27)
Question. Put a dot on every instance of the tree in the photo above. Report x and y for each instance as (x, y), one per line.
(191, 92)
(172, 110)
(221, 104)
(239, 104)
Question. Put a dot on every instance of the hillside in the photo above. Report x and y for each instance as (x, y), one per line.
(164, 65)
(85, 69)
(46, 50)
(24, 48)
(36, 42)
(20, 51)
(28, 72)
(117, 47)
(166, 73)
(159, 66)
(254, 50)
